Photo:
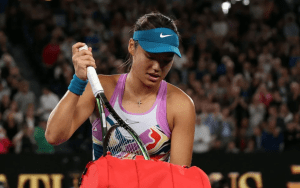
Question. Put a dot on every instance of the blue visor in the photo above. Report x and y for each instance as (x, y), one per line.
(158, 40)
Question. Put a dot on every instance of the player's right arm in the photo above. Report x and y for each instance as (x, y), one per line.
(72, 110)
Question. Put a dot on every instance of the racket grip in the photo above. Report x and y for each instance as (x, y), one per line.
(94, 81)
(93, 77)
(85, 47)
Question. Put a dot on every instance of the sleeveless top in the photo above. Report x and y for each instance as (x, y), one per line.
(151, 126)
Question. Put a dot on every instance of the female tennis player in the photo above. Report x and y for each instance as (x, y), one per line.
(162, 114)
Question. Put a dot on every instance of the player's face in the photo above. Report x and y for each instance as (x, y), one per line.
(151, 68)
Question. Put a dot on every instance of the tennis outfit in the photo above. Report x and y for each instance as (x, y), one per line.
(151, 126)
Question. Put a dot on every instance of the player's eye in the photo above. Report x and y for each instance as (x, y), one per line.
(167, 61)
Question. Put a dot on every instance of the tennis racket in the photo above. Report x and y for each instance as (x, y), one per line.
(120, 139)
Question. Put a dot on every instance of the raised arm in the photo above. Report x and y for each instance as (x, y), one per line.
(72, 110)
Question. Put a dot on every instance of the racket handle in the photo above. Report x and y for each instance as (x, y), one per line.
(93, 77)
(94, 81)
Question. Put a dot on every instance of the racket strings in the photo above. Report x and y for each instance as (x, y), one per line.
(122, 145)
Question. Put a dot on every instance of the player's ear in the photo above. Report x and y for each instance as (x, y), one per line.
(131, 46)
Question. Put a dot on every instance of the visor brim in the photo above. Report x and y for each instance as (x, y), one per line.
(153, 47)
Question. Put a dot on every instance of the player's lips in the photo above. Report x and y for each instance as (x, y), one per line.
(153, 77)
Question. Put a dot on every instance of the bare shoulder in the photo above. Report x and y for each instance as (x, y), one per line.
(109, 79)
(179, 106)
(109, 83)
(178, 98)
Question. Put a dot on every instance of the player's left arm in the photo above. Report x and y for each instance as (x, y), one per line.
(182, 137)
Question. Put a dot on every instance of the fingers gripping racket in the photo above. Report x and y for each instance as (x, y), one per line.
(120, 140)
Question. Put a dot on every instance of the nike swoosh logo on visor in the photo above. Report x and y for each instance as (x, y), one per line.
(163, 36)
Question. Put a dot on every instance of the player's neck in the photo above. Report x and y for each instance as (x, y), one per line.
(138, 88)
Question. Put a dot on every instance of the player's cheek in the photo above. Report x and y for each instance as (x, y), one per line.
(167, 68)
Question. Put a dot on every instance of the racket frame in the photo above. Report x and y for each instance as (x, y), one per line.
(101, 102)
(102, 120)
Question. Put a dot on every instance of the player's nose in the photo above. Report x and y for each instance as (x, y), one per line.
(156, 65)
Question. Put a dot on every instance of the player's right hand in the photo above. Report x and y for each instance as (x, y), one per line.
(81, 60)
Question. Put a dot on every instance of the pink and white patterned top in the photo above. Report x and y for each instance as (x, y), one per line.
(152, 126)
